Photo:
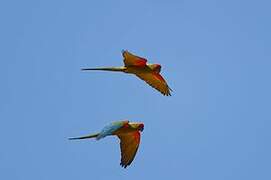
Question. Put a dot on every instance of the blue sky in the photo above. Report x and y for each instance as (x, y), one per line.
(215, 56)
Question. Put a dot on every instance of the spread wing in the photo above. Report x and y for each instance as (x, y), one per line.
(132, 60)
(155, 80)
(129, 144)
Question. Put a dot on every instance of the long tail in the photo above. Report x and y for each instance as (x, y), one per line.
(85, 137)
(121, 69)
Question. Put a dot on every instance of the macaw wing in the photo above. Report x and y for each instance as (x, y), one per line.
(111, 128)
(155, 80)
(132, 60)
(129, 144)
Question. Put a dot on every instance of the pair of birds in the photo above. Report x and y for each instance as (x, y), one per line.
(129, 132)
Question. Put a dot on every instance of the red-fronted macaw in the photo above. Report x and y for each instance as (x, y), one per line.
(129, 135)
(150, 73)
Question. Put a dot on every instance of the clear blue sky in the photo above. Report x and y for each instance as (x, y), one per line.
(216, 56)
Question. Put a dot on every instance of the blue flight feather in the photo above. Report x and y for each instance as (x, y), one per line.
(110, 129)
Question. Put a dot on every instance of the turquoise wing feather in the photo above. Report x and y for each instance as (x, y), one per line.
(110, 129)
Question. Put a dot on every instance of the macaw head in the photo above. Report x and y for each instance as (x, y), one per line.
(141, 127)
(137, 126)
(155, 67)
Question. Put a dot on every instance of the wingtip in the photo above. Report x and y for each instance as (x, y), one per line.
(166, 93)
(123, 165)
(169, 92)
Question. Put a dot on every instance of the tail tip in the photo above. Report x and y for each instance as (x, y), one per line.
(72, 138)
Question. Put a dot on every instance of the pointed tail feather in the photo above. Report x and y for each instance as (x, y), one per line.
(121, 69)
(85, 137)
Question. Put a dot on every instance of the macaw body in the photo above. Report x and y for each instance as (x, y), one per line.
(129, 135)
(150, 73)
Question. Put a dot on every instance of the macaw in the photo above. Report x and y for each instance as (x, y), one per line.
(127, 132)
(150, 73)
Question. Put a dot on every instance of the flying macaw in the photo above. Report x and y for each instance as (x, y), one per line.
(129, 135)
(150, 73)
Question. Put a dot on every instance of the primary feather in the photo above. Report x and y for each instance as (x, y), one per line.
(129, 144)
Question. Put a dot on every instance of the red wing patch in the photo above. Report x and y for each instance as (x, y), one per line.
(140, 62)
(158, 76)
(132, 60)
(137, 136)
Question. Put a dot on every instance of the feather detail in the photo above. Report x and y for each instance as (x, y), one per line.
(121, 69)
(111, 129)
(132, 60)
(129, 144)
(85, 137)
(156, 81)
